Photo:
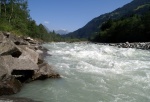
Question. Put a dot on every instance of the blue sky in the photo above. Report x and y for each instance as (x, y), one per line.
(70, 14)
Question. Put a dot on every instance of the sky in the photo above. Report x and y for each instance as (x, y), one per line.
(70, 14)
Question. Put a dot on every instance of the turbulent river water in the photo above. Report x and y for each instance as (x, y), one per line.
(93, 73)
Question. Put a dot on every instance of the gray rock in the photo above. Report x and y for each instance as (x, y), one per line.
(3, 71)
(11, 37)
(7, 48)
(16, 39)
(43, 52)
(7, 34)
(20, 62)
(2, 37)
(45, 71)
(21, 42)
(28, 53)
(9, 85)
(30, 40)
(137, 45)
(10, 63)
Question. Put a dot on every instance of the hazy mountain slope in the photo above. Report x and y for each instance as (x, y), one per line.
(61, 31)
(135, 7)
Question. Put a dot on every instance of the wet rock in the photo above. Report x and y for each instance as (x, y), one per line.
(43, 52)
(40, 61)
(9, 85)
(45, 71)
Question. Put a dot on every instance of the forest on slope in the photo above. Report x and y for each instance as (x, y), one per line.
(15, 18)
(132, 29)
(136, 7)
(129, 23)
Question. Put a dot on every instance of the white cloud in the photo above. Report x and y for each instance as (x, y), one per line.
(46, 22)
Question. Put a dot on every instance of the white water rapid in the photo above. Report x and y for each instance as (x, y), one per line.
(93, 73)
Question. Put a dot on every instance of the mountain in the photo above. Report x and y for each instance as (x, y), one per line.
(61, 32)
(135, 7)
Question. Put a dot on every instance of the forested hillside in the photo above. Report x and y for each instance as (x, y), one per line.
(132, 29)
(138, 7)
(15, 18)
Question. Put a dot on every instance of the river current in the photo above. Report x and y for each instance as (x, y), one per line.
(93, 73)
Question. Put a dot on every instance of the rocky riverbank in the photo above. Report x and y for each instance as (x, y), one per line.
(21, 61)
(137, 45)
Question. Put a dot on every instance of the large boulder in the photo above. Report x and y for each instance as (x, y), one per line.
(16, 39)
(45, 71)
(20, 62)
(9, 85)
(28, 53)
(10, 63)
(6, 48)
(9, 48)
(21, 68)
(43, 52)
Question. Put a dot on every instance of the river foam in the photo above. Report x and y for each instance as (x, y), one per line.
(94, 73)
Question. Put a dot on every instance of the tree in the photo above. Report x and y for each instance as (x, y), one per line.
(132, 29)
(15, 17)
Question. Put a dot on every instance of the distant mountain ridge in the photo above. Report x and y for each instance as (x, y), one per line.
(135, 7)
(61, 32)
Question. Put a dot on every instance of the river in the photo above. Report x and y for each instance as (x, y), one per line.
(93, 73)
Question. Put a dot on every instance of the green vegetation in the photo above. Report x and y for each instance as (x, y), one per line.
(142, 6)
(138, 7)
(132, 29)
(120, 25)
(15, 18)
